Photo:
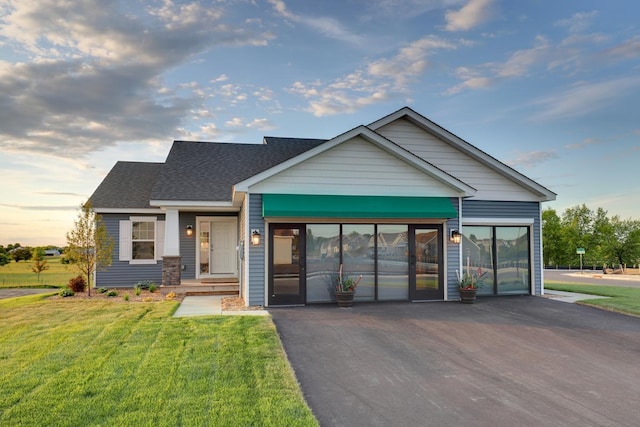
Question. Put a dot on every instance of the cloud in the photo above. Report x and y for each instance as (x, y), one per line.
(57, 193)
(261, 124)
(95, 72)
(374, 83)
(584, 98)
(578, 22)
(584, 143)
(324, 25)
(471, 79)
(404, 9)
(532, 158)
(41, 208)
(471, 15)
(520, 62)
(234, 122)
(626, 50)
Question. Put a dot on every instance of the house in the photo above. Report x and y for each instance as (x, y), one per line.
(403, 202)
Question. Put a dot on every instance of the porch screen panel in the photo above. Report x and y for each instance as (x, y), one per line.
(357, 260)
(477, 252)
(323, 261)
(513, 260)
(392, 261)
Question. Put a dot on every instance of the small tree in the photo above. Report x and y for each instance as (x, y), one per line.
(4, 256)
(89, 243)
(40, 264)
(20, 254)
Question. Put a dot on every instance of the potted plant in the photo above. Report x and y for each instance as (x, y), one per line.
(345, 289)
(469, 284)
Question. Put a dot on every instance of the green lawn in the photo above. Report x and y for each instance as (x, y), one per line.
(622, 299)
(19, 274)
(71, 362)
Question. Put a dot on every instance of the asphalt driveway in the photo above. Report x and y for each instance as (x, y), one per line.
(501, 362)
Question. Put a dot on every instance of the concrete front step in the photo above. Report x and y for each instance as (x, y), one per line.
(224, 289)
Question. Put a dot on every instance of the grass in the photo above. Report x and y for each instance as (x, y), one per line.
(19, 274)
(69, 362)
(622, 299)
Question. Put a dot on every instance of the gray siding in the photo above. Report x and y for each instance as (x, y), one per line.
(188, 246)
(491, 209)
(453, 254)
(242, 226)
(257, 253)
(121, 273)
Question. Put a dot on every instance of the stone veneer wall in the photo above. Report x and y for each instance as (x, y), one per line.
(171, 270)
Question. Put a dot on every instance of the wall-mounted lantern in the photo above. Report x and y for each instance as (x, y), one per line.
(255, 237)
(189, 230)
(455, 236)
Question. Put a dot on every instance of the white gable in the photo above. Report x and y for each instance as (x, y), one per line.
(490, 184)
(354, 167)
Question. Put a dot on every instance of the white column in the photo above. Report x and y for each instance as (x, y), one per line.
(171, 233)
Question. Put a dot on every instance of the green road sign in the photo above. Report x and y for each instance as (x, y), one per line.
(580, 251)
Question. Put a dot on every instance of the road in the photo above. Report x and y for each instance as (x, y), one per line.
(592, 277)
(20, 292)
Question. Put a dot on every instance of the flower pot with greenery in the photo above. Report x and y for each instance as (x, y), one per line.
(469, 284)
(345, 289)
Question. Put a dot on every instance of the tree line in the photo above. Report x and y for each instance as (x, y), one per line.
(607, 241)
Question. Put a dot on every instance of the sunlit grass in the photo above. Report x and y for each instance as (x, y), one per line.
(95, 362)
(621, 299)
(19, 274)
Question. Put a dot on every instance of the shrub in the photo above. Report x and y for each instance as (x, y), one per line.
(170, 296)
(77, 284)
(126, 297)
(102, 290)
(144, 284)
(112, 294)
(153, 287)
(137, 291)
(66, 292)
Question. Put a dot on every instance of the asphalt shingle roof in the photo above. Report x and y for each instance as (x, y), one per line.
(208, 170)
(127, 185)
(194, 171)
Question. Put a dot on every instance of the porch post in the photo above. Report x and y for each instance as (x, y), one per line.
(171, 260)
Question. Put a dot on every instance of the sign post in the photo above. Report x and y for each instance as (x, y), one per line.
(580, 251)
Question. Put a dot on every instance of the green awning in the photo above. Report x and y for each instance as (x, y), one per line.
(326, 206)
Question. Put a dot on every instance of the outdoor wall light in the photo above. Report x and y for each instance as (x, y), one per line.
(455, 236)
(189, 230)
(255, 237)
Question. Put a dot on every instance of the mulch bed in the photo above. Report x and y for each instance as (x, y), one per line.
(145, 296)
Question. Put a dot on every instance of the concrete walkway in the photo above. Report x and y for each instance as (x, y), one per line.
(210, 305)
(570, 297)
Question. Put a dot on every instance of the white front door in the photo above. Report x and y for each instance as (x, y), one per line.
(217, 255)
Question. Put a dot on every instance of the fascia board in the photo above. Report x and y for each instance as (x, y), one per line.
(464, 146)
(191, 204)
(127, 211)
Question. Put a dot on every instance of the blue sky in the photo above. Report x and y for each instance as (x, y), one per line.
(551, 88)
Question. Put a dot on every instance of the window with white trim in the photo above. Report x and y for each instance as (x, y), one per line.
(141, 240)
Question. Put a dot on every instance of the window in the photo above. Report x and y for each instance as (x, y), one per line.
(502, 253)
(141, 240)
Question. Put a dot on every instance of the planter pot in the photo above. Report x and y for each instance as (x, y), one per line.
(468, 296)
(344, 299)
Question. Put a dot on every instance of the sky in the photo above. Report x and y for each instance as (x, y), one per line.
(550, 88)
